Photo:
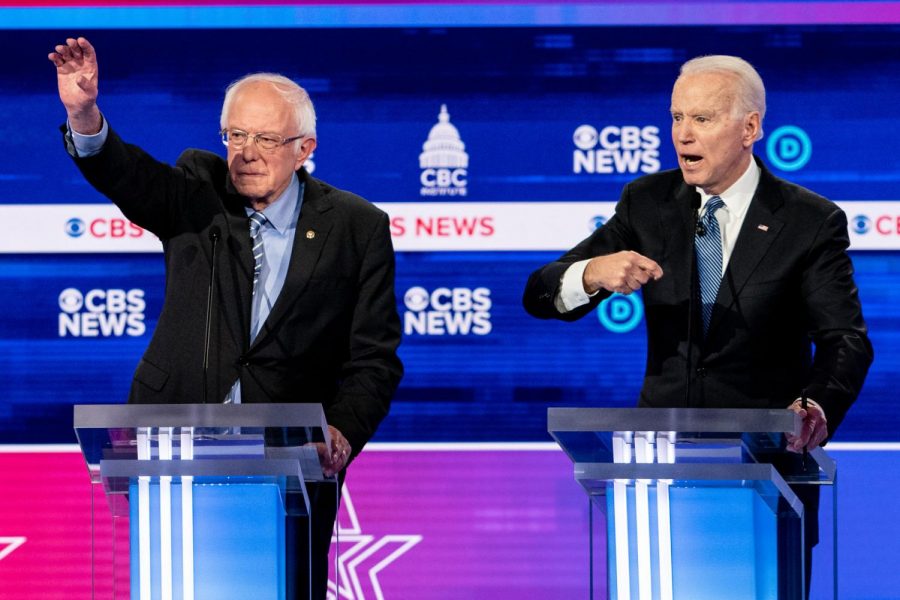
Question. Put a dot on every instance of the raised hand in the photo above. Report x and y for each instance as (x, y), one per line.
(77, 77)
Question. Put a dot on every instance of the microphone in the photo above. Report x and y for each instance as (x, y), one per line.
(214, 234)
(699, 230)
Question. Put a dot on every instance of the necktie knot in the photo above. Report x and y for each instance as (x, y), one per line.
(712, 205)
(257, 220)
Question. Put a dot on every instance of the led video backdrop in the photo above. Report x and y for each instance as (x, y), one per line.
(545, 124)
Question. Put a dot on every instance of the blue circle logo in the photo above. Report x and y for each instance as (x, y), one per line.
(862, 224)
(789, 148)
(75, 227)
(598, 221)
(620, 314)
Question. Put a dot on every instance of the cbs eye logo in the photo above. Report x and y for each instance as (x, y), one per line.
(862, 224)
(75, 227)
(71, 300)
(416, 299)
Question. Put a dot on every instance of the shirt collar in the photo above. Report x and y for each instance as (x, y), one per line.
(737, 198)
(282, 212)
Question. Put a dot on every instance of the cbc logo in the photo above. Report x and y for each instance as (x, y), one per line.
(614, 149)
(101, 313)
(789, 148)
(447, 311)
(862, 224)
(115, 228)
(620, 314)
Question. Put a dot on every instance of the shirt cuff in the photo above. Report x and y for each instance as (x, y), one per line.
(89, 145)
(571, 288)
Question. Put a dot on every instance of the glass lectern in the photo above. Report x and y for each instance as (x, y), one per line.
(694, 504)
(204, 490)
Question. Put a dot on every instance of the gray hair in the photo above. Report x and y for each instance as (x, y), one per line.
(296, 96)
(751, 91)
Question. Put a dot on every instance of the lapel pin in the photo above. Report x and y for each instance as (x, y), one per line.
(310, 234)
(762, 227)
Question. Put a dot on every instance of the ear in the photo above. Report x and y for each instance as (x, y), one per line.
(306, 148)
(751, 129)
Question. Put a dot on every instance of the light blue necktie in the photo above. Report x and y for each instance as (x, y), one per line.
(709, 259)
(257, 220)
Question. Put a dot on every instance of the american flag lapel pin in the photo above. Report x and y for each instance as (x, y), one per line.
(762, 227)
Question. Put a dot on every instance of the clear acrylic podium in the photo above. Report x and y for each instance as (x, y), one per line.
(692, 504)
(204, 490)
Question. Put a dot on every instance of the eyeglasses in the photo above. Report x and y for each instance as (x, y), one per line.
(237, 138)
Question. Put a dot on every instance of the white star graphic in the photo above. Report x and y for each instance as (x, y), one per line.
(363, 556)
(11, 544)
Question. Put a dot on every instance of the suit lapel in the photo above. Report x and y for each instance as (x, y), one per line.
(313, 227)
(235, 274)
(759, 230)
(681, 237)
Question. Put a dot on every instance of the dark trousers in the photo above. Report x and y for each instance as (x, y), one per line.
(323, 505)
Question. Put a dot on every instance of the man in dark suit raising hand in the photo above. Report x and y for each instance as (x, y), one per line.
(305, 308)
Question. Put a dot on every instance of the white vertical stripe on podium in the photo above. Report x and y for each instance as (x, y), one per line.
(165, 516)
(643, 454)
(187, 517)
(622, 454)
(143, 452)
(665, 454)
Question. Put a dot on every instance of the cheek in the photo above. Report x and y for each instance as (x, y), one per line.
(231, 157)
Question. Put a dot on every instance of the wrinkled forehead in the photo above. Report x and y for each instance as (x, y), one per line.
(709, 91)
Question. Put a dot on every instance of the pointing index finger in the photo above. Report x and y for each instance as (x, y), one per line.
(650, 266)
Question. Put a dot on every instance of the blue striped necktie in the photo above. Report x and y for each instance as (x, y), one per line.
(257, 220)
(709, 258)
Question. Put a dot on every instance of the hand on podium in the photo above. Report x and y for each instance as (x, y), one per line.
(334, 459)
(814, 429)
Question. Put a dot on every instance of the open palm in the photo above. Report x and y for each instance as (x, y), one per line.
(77, 77)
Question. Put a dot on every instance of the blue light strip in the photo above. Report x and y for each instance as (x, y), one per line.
(452, 15)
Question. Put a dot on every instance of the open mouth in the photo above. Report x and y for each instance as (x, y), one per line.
(691, 159)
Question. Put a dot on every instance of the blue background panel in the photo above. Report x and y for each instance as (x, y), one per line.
(494, 382)
(515, 94)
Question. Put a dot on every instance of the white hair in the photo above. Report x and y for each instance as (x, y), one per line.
(751, 93)
(296, 96)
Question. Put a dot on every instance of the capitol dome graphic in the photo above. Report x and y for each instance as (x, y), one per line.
(444, 149)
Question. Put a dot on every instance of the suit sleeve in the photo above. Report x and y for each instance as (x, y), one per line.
(543, 284)
(373, 370)
(147, 191)
(843, 351)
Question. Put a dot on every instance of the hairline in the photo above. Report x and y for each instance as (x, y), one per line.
(303, 111)
(749, 92)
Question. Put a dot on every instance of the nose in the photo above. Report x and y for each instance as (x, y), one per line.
(250, 151)
(682, 132)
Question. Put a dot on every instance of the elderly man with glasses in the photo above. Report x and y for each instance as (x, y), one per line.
(305, 308)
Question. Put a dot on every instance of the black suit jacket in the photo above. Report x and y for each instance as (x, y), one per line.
(788, 286)
(333, 333)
